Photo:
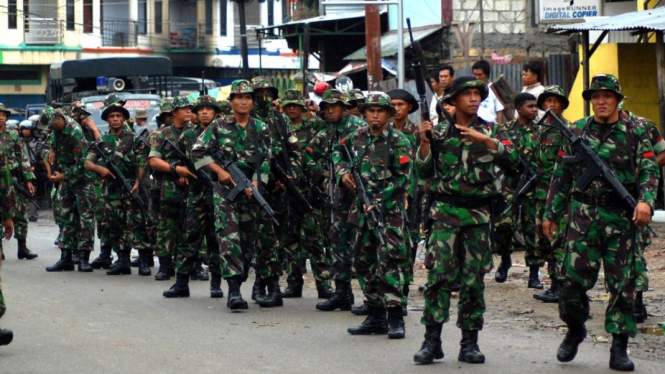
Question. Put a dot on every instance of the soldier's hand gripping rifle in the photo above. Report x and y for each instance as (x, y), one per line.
(526, 183)
(280, 174)
(201, 174)
(24, 192)
(593, 165)
(374, 222)
(242, 183)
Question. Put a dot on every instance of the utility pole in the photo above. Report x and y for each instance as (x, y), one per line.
(482, 30)
(373, 43)
(243, 38)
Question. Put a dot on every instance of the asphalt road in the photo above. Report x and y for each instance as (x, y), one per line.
(93, 323)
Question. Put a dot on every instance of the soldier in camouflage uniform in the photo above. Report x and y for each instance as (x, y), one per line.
(549, 144)
(601, 226)
(200, 216)
(318, 156)
(173, 187)
(165, 116)
(306, 239)
(523, 132)
(245, 140)
(7, 229)
(461, 159)
(381, 158)
(19, 163)
(123, 214)
(225, 110)
(67, 155)
(356, 99)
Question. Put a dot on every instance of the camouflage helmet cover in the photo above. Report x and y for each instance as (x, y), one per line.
(264, 83)
(378, 99)
(555, 91)
(333, 97)
(241, 86)
(294, 97)
(79, 106)
(165, 105)
(4, 109)
(603, 82)
(112, 99)
(464, 83)
(205, 101)
(224, 106)
(180, 102)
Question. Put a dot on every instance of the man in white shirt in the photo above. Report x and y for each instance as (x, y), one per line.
(491, 109)
(531, 79)
(441, 82)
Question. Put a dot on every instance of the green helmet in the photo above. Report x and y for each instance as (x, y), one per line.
(555, 91)
(264, 83)
(115, 108)
(4, 110)
(463, 83)
(165, 105)
(180, 102)
(356, 97)
(112, 99)
(333, 97)
(603, 82)
(241, 86)
(78, 107)
(224, 106)
(294, 97)
(51, 116)
(377, 98)
(205, 101)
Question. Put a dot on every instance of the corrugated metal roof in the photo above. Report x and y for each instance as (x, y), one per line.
(652, 19)
(326, 18)
(389, 43)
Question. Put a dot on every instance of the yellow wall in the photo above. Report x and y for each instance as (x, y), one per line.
(639, 82)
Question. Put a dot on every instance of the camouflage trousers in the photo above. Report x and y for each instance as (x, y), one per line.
(381, 270)
(457, 254)
(553, 251)
(56, 196)
(413, 230)
(598, 234)
(306, 241)
(199, 229)
(78, 216)
(126, 227)
(100, 216)
(641, 272)
(171, 221)
(20, 222)
(522, 219)
(342, 237)
(237, 225)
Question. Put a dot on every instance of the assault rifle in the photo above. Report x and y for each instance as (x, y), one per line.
(278, 172)
(242, 183)
(526, 183)
(126, 184)
(201, 174)
(24, 192)
(331, 182)
(593, 165)
(374, 221)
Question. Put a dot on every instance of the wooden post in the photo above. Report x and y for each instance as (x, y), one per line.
(373, 42)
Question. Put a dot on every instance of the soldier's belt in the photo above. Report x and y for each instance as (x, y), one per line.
(606, 200)
(463, 202)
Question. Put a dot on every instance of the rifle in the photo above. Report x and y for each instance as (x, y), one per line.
(204, 90)
(526, 182)
(126, 184)
(25, 193)
(593, 165)
(201, 174)
(242, 183)
(375, 223)
(331, 182)
(281, 175)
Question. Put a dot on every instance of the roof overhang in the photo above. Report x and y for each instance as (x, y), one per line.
(644, 21)
(389, 42)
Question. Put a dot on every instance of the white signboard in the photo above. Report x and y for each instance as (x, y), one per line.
(567, 10)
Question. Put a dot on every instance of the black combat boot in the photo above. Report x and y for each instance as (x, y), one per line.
(84, 262)
(274, 296)
(323, 290)
(341, 299)
(502, 271)
(199, 273)
(64, 264)
(375, 323)
(105, 259)
(395, 323)
(123, 266)
(144, 268)
(76, 256)
(235, 301)
(259, 288)
(137, 261)
(431, 348)
(216, 286)
(456, 286)
(165, 265)
(151, 258)
(360, 310)
(180, 288)
(469, 351)
(640, 310)
(551, 295)
(572, 340)
(24, 252)
(619, 359)
(292, 291)
(534, 279)
(6, 337)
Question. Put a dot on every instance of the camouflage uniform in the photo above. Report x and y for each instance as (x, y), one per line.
(596, 208)
(6, 210)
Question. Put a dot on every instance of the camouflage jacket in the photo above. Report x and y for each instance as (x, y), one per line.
(239, 143)
(464, 170)
(652, 131)
(17, 155)
(550, 141)
(410, 131)
(618, 145)
(283, 137)
(70, 149)
(124, 150)
(525, 141)
(158, 146)
(187, 141)
(6, 191)
(384, 164)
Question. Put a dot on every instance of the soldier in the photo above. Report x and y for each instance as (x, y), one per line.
(173, 189)
(381, 160)
(550, 141)
(319, 161)
(122, 212)
(624, 147)
(523, 133)
(67, 147)
(245, 140)
(461, 159)
(22, 176)
(307, 238)
(356, 99)
(200, 216)
(165, 116)
(34, 147)
(7, 229)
